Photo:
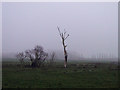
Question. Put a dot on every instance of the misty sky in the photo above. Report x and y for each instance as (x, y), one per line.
(93, 27)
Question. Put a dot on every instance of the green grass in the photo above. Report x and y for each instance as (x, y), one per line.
(58, 77)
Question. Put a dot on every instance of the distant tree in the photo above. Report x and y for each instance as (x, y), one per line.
(21, 57)
(37, 56)
(52, 58)
(64, 37)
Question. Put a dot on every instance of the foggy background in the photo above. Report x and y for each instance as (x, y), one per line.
(93, 28)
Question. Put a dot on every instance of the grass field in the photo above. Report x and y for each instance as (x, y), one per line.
(104, 75)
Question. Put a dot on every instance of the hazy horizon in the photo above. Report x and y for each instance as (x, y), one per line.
(93, 27)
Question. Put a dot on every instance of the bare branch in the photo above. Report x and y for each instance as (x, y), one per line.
(59, 31)
(67, 36)
(64, 33)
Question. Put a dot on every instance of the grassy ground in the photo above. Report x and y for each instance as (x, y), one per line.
(14, 76)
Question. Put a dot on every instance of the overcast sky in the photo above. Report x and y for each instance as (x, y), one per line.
(93, 27)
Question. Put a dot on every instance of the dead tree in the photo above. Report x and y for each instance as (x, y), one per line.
(52, 58)
(64, 37)
(21, 57)
(37, 56)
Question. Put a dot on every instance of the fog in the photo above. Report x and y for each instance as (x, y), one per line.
(93, 27)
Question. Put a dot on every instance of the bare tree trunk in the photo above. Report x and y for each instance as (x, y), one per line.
(64, 37)
(65, 63)
(65, 54)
